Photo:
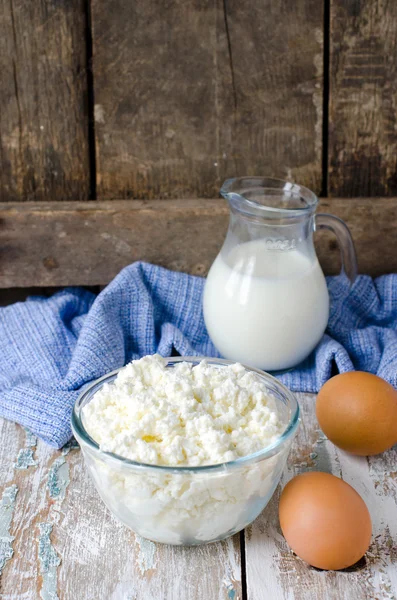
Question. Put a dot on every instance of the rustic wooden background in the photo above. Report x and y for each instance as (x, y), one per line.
(119, 121)
(155, 103)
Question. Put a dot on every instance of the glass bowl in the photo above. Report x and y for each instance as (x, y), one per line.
(189, 505)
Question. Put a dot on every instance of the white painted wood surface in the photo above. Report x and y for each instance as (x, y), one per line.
(275, 573)
(57, 540)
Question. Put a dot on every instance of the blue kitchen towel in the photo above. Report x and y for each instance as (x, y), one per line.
(51, 347)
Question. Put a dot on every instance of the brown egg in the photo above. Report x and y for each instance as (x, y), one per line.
(358, 412)
(324, 520)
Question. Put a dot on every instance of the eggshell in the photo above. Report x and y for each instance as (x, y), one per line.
(324, 520)
(357, 411)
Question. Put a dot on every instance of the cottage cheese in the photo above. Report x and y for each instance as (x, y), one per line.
(182, 416)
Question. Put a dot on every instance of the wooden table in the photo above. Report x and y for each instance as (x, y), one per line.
(57, 540)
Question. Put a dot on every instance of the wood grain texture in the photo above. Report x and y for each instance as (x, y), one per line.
(95, 557)
(287, 577)
(363, 98)
(88, 243)
(189, 93)
(43, 116)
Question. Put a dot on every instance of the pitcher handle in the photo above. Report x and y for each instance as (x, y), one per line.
(345, 241)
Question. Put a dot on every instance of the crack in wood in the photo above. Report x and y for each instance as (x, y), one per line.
(229, 47)
(90, 101)
(15, 79)
(14, 71)
(14, 32)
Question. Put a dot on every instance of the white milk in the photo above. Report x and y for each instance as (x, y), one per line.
(265, 308)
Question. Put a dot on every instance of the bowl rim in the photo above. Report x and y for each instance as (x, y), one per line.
(82, 435)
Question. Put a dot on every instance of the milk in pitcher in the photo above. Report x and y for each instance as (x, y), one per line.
(266, 308)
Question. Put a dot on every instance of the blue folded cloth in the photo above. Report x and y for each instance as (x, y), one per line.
(51, 347)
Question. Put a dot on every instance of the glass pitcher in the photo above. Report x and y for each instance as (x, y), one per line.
(265, 300)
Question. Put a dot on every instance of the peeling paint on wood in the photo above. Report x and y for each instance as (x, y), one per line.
(146, 554)
(231, 592)
(7, 505)
(99, 556)
(25, 458)
(122, 566)
(58, 478)
(49, 562)
(31, 439)
(85, 553)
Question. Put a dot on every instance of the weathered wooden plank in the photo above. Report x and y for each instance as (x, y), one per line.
(67, 543)
(277, 60)
(273, 571)
(189, 93)
(43, 113)
(59, 538)
(20, 578)
(77, 243)
(363, 98)
(127, 566)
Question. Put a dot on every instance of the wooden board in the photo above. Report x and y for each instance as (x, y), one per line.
(88, 243)
(60, 539)
(43, 112)
(189, 93)
(287, 577)
(67, 543)
(363, 98)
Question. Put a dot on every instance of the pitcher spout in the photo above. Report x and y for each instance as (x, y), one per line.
(268, 196)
